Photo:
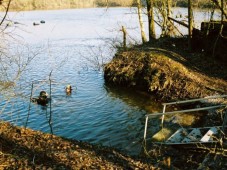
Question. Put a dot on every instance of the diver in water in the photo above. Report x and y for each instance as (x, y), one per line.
(68, 89)
(42, 99)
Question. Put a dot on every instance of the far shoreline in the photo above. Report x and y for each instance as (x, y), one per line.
(92, 7)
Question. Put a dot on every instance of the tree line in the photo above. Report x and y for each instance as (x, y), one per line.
(61, 4)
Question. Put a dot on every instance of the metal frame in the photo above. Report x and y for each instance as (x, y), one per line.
(182, 111)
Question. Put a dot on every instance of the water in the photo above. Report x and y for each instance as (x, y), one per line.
(69, 49)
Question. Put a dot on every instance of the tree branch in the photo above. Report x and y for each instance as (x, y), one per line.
(7, 10)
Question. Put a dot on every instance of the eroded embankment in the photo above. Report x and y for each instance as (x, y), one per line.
(162, 73)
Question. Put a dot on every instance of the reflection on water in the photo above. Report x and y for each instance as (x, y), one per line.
(67, 45)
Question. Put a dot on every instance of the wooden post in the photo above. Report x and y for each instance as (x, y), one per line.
(124, 36)
(190, 24)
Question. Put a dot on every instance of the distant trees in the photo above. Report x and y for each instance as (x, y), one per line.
(58, 4)
(114, 3)
(195, 3)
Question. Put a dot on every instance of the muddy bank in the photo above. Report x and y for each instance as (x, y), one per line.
(166, 72)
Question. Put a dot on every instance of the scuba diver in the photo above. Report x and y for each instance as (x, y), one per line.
(68, 89)
(42, 99)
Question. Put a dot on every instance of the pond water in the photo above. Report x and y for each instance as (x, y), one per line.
(69, 49)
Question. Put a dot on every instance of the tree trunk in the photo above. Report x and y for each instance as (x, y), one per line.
(190, 24)
(167, 26)
(171, 28)
(143, 35)
(163, 12)
(150, 14)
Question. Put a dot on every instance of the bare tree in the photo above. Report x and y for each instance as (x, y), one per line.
(164, 11)
(12, 62)
(3, 65)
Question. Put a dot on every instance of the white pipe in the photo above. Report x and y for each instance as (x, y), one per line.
(163, 116)
(145, 129)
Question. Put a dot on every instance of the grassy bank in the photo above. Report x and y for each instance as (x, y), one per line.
(161, 68)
